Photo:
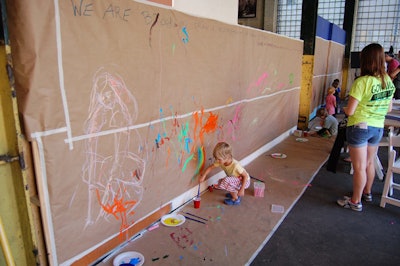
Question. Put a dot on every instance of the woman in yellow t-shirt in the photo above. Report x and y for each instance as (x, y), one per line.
(370, 99)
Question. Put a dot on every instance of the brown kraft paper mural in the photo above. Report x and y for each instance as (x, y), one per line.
(126, 102)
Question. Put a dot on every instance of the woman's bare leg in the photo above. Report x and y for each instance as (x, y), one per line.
(359, 160)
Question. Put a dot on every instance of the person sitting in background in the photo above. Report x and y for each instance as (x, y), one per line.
(328, 123)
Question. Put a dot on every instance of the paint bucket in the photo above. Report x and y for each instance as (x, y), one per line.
(259, 188)
(196, 201)
(305, 133)
(298, 133)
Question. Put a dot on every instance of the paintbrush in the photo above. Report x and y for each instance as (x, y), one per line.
(194, 219)
(195, 216)
(198, 191)
(257, 179)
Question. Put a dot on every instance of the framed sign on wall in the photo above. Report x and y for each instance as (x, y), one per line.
(247, 8)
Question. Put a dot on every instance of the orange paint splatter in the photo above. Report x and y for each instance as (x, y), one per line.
(169, 154)
(209, 127)
(118, 208)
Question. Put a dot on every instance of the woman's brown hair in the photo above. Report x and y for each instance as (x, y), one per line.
(372, 62)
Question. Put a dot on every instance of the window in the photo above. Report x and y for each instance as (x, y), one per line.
(289, 15)
(377, 21)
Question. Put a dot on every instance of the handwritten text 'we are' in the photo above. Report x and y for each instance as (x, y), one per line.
(87, 9)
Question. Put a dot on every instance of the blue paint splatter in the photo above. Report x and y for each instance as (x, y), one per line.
(187, 142)
(186, 39)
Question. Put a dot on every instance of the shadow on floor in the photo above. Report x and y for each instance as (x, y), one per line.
(319, 232)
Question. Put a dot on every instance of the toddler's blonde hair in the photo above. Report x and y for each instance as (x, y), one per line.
(222, 151)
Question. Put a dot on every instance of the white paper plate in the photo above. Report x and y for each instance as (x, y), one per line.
(173, 219)
(301, 140)
(127, 257)
(278, 155)
(318, 127)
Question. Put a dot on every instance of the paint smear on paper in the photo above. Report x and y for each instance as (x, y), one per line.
(183, 238)
(186, 162)
(118, 209)
(172, 221)
(186, 38)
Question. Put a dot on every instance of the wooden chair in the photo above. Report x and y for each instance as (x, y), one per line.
(393, 168)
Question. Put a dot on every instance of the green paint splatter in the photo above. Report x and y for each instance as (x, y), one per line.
(186, 162)
(291, 78)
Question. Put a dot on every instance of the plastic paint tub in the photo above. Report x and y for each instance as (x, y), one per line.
(259, 188)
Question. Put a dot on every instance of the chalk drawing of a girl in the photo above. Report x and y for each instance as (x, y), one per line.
(112, 170)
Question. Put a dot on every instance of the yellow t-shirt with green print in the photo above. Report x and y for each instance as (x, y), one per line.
(373, 100)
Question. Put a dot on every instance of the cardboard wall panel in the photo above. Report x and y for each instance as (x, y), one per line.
(126, 102)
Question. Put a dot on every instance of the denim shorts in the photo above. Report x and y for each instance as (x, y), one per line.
(359, 137)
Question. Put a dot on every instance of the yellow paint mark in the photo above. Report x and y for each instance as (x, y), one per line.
(172, 221)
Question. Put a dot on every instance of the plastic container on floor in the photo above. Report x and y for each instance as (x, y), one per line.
(259, 188)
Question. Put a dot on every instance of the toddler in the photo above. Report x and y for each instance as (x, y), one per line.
(237, 179)
(330, 101)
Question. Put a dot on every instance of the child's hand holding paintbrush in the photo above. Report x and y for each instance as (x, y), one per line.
(203, 176)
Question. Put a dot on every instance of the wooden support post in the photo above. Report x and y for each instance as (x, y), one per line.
(306, 91)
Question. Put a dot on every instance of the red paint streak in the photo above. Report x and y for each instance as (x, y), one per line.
(162, 142)
(136, 174)
(175, 125)
(183, 238)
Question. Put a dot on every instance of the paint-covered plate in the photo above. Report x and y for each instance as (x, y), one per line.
(129, 258)
(173, 219)
(301, 140)
(278, 155)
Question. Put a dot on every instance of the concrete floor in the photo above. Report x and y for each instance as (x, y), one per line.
(319, 232)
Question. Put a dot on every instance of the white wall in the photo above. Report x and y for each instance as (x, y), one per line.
(221, 10)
